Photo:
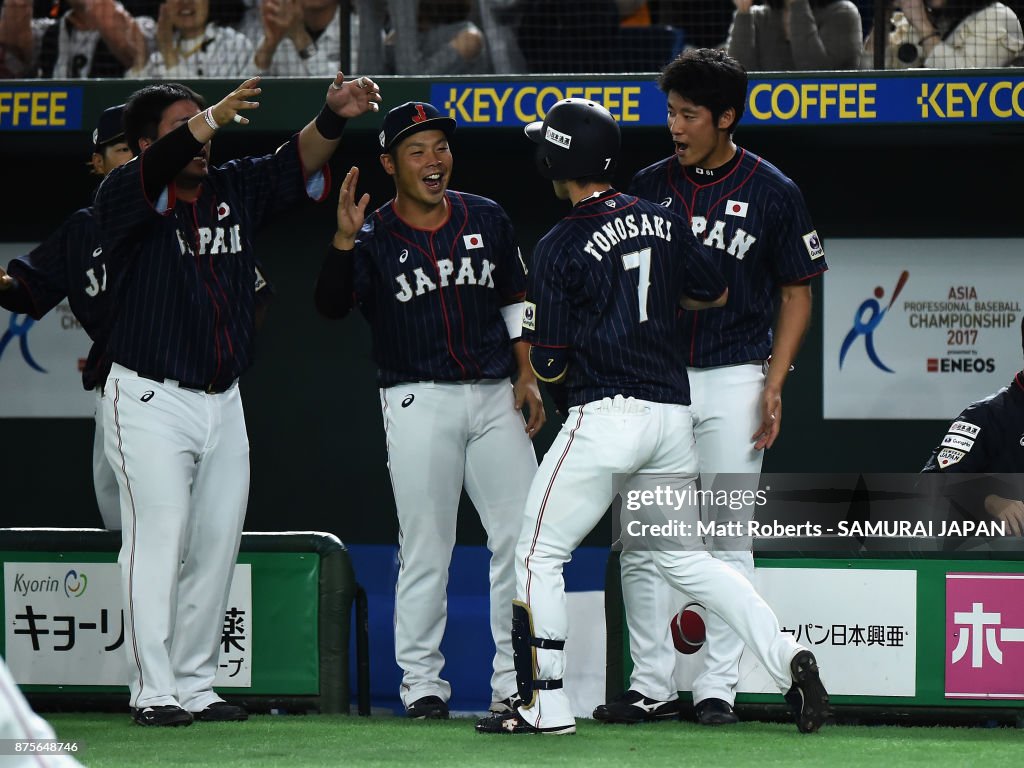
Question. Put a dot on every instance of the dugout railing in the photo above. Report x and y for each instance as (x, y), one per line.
(290, 624)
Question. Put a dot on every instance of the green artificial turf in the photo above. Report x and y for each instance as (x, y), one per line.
(112, 741)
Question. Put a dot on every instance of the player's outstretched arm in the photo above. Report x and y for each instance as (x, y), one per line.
(351, 214)
(164, 158)
(319, 139)
(334, 285)
(526, 390)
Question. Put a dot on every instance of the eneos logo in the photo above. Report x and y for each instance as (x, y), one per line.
(75, 583)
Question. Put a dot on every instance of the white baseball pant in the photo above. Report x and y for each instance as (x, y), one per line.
(104, 482)
(182, 463)
(599, 446)
(726, 407)
(18, 721)
(441, 437)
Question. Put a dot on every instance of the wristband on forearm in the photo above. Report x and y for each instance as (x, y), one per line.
(329, 124)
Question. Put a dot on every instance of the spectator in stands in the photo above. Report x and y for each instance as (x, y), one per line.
(784, 35)
(93, 38)
(191, 42)
(498, 21)
(950, 34)
(427, 37)
(299, 38)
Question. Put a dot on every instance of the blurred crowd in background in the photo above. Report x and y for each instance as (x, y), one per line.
(178, 39)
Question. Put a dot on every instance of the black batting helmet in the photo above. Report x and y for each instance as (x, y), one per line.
(577, 138)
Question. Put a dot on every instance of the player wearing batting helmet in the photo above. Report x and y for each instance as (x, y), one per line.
(602, 314)
(438, 275)
(752, 222)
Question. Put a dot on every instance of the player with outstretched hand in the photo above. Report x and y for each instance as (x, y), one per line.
(70, 264)
(752, 222)
(179, 233)
(439, 277)
(602, 312)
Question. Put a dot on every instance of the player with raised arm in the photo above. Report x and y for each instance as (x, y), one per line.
(70, 264)
(602, 313)
(753, 224)
(438, 275)
(179, 233)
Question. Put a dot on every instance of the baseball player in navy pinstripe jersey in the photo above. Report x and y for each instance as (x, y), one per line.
(753, 223)
(602, 312)
(438, 275)
(178, 234)
(70, 264)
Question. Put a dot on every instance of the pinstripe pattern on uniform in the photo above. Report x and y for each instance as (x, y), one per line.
(433, 298)
(752, 221)
(70, 264)
(588, 297)
(544, 502)
(184, 299)
(122, 467)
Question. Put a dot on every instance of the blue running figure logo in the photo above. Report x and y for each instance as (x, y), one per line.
(867, 318)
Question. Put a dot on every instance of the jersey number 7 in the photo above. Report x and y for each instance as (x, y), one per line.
(640, 260)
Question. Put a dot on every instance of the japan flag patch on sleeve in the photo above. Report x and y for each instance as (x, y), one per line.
(472, 241)
(813, 245)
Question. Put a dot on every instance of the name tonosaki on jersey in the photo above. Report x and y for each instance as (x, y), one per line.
(621, 228)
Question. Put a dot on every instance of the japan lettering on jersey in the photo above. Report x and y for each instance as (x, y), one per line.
(185, 300)
(606, 283)
(433, 298)
(753, 222)
(69, 264)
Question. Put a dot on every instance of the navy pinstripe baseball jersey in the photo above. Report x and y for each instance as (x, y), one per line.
(69, 264)
(433, 298)
(184, 302)
(606, 283)
(754, 224)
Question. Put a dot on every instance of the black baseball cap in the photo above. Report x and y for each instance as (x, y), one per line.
(109, 129)
(413, 117)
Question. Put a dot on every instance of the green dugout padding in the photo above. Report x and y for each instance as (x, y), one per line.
(304, 596)
(930, 700)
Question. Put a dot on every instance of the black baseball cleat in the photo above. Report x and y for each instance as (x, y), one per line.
(633, 707)
(428, 708)
(221, 712)
(808, 697)
(168, 716)
(512, 722)
(715, 712)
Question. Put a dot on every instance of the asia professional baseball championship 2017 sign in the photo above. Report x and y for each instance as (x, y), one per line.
(918, 329)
